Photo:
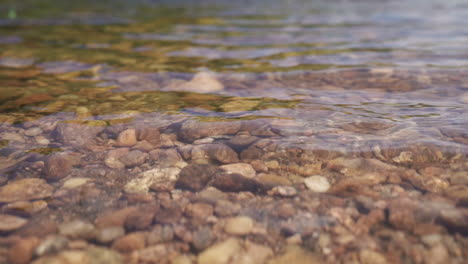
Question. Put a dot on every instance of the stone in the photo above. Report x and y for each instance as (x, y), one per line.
(130, 242)
(127, 138)
(220, 253)
(169, 214)
(22, 251)
(195, 177)
(285, 191)
(226, 208)
(12, 137)
(75, 182)
(112, 159)
(317, 183)
(32, 132)
(243, 169)
(296, 255)
(24, 190)
(160, 234)
(142, 183)
(141, 219)
(51, 244)
(166, 157)
(109, 234)
(202, 82)
(269, 180)
(78, 135)
(368, 256)
(10, 222)
(115, 218)
(134, 158)
(25, 207)
(221, 153)
(241, 141)
(202, 238)
(192, 130)
(77, 229)
(239, 225)
(58, 166)
(253, 254)
(42, 140)
(91, 255)
(199, 211)
(234, 183)
(401, 214)
(150, 134)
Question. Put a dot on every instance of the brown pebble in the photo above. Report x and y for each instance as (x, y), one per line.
(22, 251)
(194, 177)
(235, 183)
(127, 138)
(130, 242)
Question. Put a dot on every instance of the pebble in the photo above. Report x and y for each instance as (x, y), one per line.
(127, 138)
(42, 140)
(12, 137)
(113, 158)
(114, 218)
(10, 222)
(25, 189)
(243, 169)
(77, 229)
(221, 153)
(91, 255)
(160, 234)
(240, 225)
(32, 132)
(75, 182)
(226, 208)
(192, 130)
(25, 207)
(285, 191)
(269, 180)
(22, 251)
(317, 183)
(51, 244)
(202, 238)
(134, 158)
(130, 242)
(78, 135)
(199, 210)
(368, 256)
(149, 134)
(109, 234)
(220, 253)
(142, 183)
(194, 177)
(234, 183)
(58, 166)
(296, 255)
(202, 82)
(142, 218)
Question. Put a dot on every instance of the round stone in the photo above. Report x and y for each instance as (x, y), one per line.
(240, 225)
(317, 183)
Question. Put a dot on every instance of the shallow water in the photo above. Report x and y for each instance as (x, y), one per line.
(370, 95)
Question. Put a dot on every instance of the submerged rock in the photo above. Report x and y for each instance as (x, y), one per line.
(25, 189)
(220, 253)
(202, 82)
(317, 183)
(192, 130)
(11, 222)
(195, 177)
(78, 135)
(142, 183)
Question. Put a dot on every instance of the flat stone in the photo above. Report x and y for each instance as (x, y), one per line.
(91, 255)
(52, 244)
(221, 153)
(160, 234)
(75, 182)
(127, 138)
(269, 180)
(24, 190)
(202, 82)
(199, 210)
(78, 135)
(32, 132)
(220, 253)
(114, 218)
(368, 256)
(317, 183)
(226, 208)
(202, 238)
(142, 218)
(77, 229)
(240, 225)
(296, 255)
(10, 222)
(113, 158)
(169, 214)
(25, 207)
(150, 134)
(234, 183)
(22, 251)
(109, 234)
(194, 177)
(192, 130)
(142, 183)
(12, 137)
(58, 166)
(130, 242)
(134, 158)
(243, 169)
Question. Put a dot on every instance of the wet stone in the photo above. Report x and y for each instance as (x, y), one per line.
(22, 251)
(193, 130)
(234, 183)
(127, 138)
(89, 255)
(32, 132)
(220, 253)
(51, 244)
(146, 179)
(169, 214)
(134, 158)
(240, 225)
(160, 234)
(317, 183)
(226, 208)
(109, 234)
(199, 211)
(243, 169)
(58, 166)
(25, 189)
(10, 222)
(269, 180)
(130, 242)
(141, 218)
(202, 238)
(27, 208)
(113, 158)
(194, 177)
(150, 134)
(78, 135)
(221, 153)
(77, 229)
